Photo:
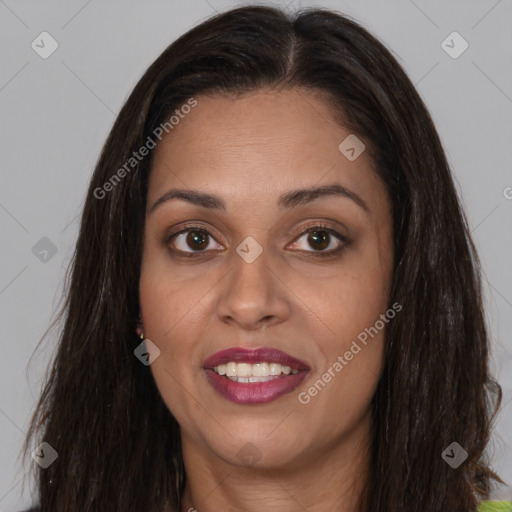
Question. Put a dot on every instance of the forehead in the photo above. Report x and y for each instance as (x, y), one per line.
(257, 146)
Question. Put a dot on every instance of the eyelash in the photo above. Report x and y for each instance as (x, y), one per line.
(317, 227)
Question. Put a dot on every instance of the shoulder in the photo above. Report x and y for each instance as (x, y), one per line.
(495, 506)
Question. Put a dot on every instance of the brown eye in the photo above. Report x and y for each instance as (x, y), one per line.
(190, 240)
(194, 240)
(321, 238)
(197, 239)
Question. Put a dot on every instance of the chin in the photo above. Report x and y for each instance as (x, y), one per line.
(257, 449)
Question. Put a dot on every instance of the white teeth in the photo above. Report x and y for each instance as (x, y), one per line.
(258, 372)
(244, 370)
(230, 369)
(253, 379)
(274, 369)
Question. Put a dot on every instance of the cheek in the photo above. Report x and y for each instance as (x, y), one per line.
(167, 301)
(173, 310)
(353, 351)
(353, 306)
(353, 298)
(168, 310)
(340, 389)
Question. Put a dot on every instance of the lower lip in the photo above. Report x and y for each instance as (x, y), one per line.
(254, 392)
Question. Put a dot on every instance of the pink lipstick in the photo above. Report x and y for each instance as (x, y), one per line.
(254, 376)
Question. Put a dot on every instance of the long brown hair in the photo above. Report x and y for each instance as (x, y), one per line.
(118, 445)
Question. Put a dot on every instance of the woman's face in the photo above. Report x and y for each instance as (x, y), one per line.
(248, 275)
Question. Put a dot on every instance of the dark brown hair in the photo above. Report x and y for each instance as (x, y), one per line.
(118, 444)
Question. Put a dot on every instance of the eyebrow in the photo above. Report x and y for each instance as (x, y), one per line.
(291, 199)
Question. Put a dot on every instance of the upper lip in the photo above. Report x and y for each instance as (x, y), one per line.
(258, 355)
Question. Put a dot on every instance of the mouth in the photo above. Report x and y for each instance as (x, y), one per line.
(254, 376)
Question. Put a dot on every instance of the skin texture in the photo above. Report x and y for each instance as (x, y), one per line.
(248, 151)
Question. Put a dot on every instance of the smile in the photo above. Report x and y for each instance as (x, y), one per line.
(254, 376)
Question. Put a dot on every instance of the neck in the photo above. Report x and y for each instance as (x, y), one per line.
(331, 478)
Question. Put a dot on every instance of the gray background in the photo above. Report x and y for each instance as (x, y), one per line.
(57, 112)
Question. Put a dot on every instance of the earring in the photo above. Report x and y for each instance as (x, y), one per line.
(140, 332)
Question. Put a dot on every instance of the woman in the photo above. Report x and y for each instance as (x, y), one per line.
(275, 301)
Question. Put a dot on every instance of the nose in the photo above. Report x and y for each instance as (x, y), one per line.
(252, 295)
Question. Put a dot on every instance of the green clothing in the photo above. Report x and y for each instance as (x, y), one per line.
(495, 506)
